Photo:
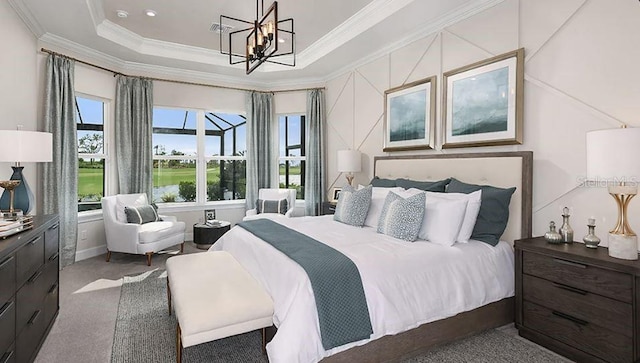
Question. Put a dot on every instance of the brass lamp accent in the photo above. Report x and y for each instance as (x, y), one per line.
(10, 185)
(623, 195)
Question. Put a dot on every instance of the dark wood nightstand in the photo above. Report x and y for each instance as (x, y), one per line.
(205, 235)
(328, 208)
(578, 301)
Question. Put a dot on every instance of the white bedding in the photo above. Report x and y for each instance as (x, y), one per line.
(406, 284)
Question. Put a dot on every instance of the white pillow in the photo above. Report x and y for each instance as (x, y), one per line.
(471, 214)
(442, 221)
(378, 197)
(128, 200)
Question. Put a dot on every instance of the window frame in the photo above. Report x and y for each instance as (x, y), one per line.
(302, 147)
(106, 106)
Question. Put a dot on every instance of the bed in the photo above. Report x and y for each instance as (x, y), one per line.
(468, 289)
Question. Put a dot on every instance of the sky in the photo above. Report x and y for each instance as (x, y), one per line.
(92, 113)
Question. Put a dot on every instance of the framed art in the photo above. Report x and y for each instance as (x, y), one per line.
(209, 214)
(409, 116)
(335, 194)
(482, 103)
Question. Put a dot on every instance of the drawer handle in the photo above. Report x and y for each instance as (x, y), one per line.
(6, 262)
(34, 277)
(569, 288)
(33, 241)
(53, 288)
(5, 307)
(6, 356)
(55, 226)
(569, 263)
(34, 317)
(53, 257)
(570, 318)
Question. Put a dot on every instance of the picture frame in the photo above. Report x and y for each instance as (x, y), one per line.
(482, 103)
(335, 194)
(209, 214)
(409, 116)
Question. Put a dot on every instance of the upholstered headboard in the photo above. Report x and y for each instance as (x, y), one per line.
(500, 169)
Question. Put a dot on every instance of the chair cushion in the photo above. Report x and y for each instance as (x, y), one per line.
(272, 206)
(156, 231)
(142, 214)
(128, 200)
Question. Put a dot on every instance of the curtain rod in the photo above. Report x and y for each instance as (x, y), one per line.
(44, 50)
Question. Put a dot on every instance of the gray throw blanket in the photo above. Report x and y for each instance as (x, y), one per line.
(343, 313)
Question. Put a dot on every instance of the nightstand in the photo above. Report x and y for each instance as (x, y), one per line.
(328, 208)
(578, 301)
(205, 235)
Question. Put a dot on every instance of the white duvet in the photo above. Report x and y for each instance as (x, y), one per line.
(406, 284)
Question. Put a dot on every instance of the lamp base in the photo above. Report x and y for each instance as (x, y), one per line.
(623, 246)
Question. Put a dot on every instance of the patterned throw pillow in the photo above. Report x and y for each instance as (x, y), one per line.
(353, 206)
(272, 206)
(142, 214)
(402, 218)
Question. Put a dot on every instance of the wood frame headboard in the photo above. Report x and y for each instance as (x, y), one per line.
(500, 169)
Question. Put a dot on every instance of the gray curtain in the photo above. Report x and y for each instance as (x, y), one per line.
(261, 156)
(60, 177)
(134, 125)
(315, 153)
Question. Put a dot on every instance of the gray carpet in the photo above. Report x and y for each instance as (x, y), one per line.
(146, 333)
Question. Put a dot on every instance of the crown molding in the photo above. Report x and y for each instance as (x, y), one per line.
(423, 31)
(27, 17)
(96, 11)
(367, 17)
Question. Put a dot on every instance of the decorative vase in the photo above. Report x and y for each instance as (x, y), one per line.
(566, 231)
(591, 240)
(23, 196)
(552, 236)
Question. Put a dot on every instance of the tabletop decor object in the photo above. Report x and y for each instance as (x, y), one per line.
(349, 161)
(591, 240)
(565, 230)
(612, 161)
(552, 236)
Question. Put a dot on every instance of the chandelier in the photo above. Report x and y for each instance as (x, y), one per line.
(266, 39)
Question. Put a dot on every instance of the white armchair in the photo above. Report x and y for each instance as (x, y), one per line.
(138, 238)
(274, 194)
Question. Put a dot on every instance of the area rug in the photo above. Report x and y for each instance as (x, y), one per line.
(145, 333)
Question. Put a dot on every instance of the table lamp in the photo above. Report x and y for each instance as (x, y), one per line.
(612, 157)
(349, 161)
(21, 146)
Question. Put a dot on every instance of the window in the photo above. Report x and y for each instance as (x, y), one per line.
(91, 152)
(292, 147)
(198, 156)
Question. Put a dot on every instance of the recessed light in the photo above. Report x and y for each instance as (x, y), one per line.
(122, 13)
(150, 12)
(281, 40)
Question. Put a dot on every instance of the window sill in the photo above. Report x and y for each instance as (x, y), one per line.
(89, 216)
(187, 207)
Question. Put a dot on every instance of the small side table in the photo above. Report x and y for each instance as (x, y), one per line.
(328, 208)
(205, 235)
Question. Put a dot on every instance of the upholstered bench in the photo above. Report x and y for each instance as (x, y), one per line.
(214, 297)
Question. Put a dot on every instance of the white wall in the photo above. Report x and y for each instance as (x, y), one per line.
(18, 84)
(581, 74)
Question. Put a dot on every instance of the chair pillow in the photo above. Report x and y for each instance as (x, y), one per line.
(142, 214)
(470, 215)
(353, 205)
(494, 210)
(401, 218)
(428, 186)
(125, 200)
(272, 206)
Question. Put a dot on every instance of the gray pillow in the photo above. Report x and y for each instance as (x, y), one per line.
(494, 209)
(383, 183)
(272, 206)
(353, 205)
(402, 218)
(428, 186)
(142, 214)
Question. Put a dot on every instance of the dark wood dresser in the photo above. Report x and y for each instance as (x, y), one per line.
(28, 289)
(578, 301)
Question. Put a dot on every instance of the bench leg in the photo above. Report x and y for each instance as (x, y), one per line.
(182, 248)
(149, 255)
(178, 344)
(169, 295)
(108, 255)
(264, 340)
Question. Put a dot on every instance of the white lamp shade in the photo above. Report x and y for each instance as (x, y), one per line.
(25, 146)
(349, 161)
(612, 155)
